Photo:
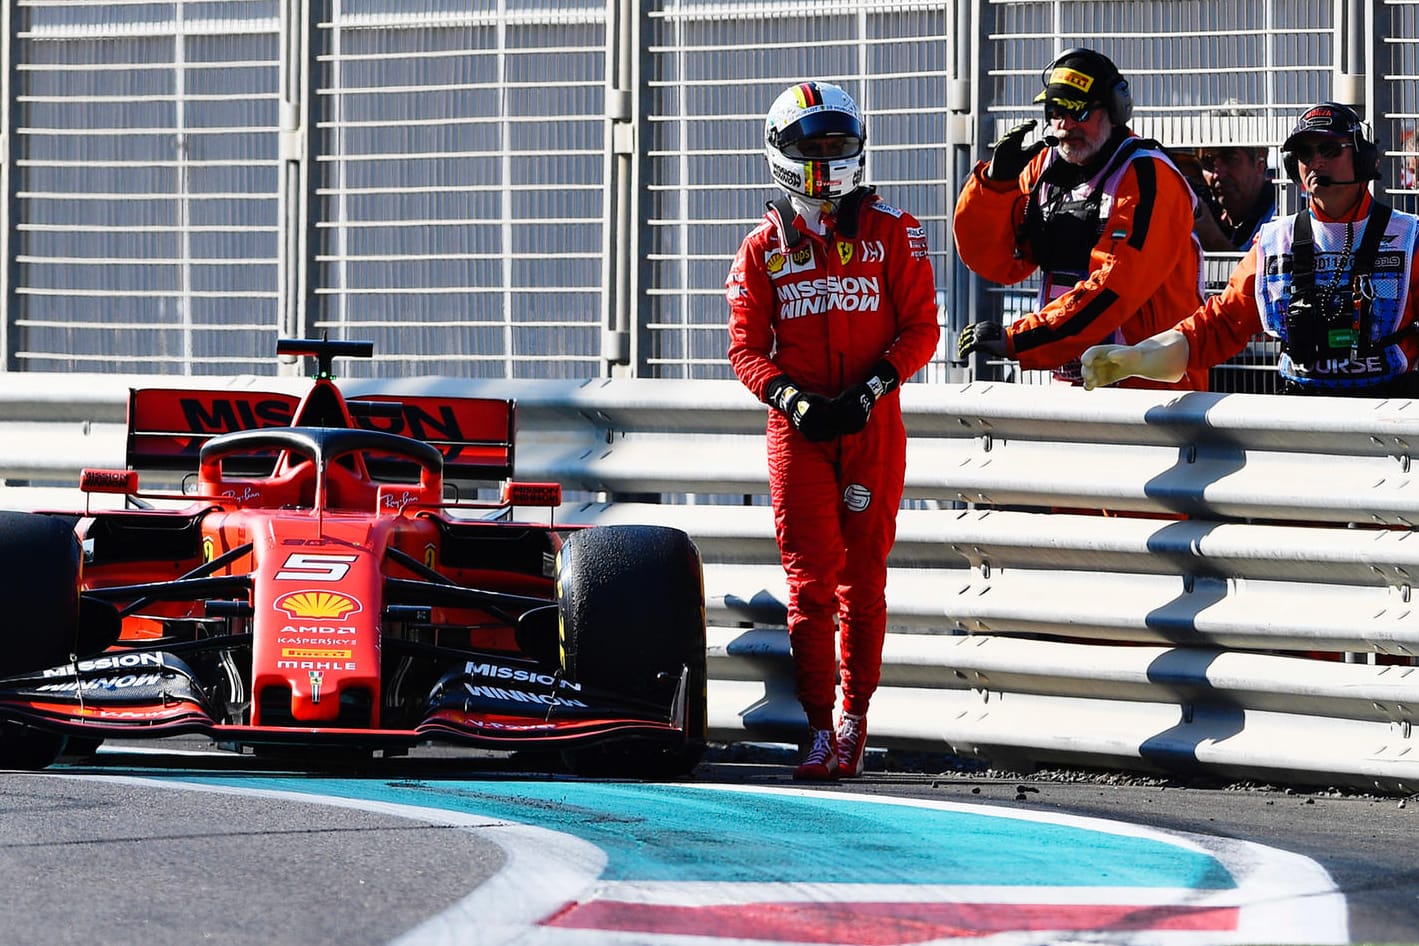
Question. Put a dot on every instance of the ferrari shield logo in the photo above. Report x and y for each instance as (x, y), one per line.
(316, 679)
(844, 251)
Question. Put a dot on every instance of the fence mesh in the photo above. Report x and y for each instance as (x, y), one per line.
(460, 208)
(144, 217)
(458, 159)
(712, 79)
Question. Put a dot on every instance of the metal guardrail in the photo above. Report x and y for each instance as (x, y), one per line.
(1244, 609)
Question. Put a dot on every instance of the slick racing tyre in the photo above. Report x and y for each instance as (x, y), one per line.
(632, 617)
(39, 591)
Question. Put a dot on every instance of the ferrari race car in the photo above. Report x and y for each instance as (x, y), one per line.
(307, 583)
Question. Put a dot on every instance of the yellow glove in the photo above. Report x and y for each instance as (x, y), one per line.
(1104, 364)
(1160, 358)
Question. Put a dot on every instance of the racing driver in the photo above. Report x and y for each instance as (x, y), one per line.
(831, 306)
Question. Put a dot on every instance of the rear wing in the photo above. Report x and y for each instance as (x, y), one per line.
(168, 426)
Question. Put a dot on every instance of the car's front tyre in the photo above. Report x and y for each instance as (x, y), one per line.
(632, 619)
(39, 591)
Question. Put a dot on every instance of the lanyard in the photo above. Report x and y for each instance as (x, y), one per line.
(1358, 299)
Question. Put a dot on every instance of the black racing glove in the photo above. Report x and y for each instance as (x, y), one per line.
(852, 407)
(983, 336)
(1009, 154)
(811, 414)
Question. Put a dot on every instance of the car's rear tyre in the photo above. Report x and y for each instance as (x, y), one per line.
(39, 591)
(632, 608)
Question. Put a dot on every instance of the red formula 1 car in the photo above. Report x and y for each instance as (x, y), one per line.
(315, 587)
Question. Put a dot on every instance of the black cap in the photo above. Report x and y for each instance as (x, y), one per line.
(1076, 78)
(1327, 118)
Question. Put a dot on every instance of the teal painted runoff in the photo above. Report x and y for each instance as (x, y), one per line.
(653, 832)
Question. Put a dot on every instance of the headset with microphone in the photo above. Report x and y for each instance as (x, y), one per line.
(1325, 180)
(1322, 116)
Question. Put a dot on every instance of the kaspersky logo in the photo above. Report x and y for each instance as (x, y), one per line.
(317, 604)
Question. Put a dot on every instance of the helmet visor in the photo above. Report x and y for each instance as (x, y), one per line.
(825, 135)
(824, 148)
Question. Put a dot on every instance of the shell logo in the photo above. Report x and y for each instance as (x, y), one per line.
(317, 604)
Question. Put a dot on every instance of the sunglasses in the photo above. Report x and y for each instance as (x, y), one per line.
(1326, 149)
(1058, 113)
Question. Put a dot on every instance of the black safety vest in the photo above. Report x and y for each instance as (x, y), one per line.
(1061, 230)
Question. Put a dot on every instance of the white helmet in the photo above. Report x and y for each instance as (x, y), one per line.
(816, 110)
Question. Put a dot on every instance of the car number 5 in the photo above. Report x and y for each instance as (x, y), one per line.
(309, 566)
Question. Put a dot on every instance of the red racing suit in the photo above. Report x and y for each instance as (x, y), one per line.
(1141, 276)
(824, 312)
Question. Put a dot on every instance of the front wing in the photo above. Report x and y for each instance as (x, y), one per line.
(151, 694)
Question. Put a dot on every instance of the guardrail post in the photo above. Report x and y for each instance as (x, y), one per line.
(618, 234)
(296, 303)
(8, 181)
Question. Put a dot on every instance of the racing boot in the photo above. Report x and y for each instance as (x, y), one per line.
(852, 745)
(820, 764)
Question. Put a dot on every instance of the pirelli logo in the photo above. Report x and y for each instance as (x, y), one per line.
(315, 653)
(1063, 75)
